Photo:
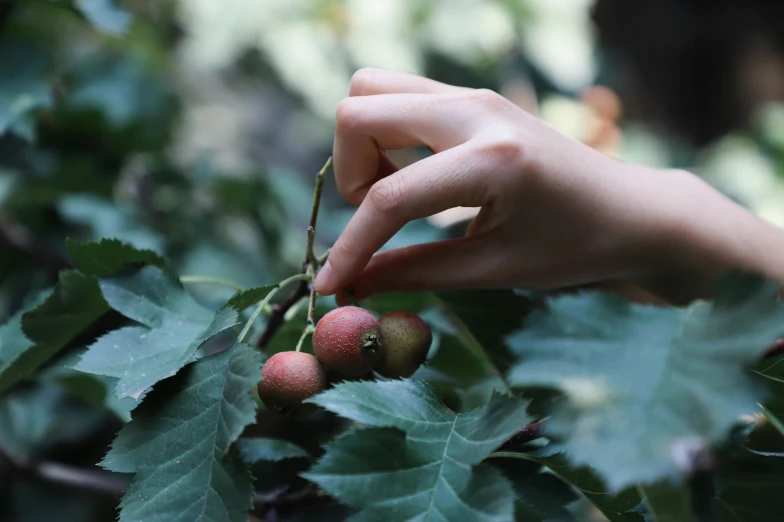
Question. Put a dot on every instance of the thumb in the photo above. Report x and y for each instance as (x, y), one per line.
(451, 264)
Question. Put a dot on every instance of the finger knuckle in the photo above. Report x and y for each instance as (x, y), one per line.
(488, 99)
(506, 149)
(386, 196)
(362, 81)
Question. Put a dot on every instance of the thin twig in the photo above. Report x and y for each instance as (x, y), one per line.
(209, 280)
(276, 318)
(305, 333)
(309, 255)
(264, 302)
(310, 266)
(320, 260)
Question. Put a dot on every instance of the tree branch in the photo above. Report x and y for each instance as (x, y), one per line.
(18, 237)
(106, 483)
(310, 265)
(96, 481)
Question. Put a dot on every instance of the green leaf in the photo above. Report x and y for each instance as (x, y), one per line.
(772, 369)
(645, 387)
(472, 349)
(13, 344)
(490, 315)
(97, 390)
(616, 507)
(413, 302)
(420, 461)
(666, 501)
(26, 89)
(38, 417)
(254, 449)
(286, 337)
(30, 340)
(105, 15)
(178, 440)
(109, 256)
(457, 367)
(74, 304)
(173, 328)
(107, 219)
(249, 297)
(541, 496)
(750, 490)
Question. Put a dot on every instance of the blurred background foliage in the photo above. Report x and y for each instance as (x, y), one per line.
(195, 127)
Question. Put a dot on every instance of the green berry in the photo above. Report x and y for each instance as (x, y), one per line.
(407, 340)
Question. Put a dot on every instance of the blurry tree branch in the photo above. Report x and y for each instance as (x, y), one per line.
(110, 484)
(16, 236)
(93, 480)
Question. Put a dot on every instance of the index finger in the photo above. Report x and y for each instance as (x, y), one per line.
(368, 81)
(429, 186)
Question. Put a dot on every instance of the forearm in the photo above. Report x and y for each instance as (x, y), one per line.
(706, 234)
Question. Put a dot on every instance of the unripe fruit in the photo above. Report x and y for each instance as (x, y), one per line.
(348, 341)
(288, 378)
(407, 340)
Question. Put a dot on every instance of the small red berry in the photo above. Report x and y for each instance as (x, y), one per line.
(348, 341)
(407, 340)
(288, 378)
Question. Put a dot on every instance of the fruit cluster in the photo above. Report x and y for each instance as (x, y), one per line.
(350, 342)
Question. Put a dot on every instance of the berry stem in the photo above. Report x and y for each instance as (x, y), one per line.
(305, 333)
(264, 302)
(320, 260)
(208, 280)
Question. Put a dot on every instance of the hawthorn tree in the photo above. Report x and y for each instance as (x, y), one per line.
(131, 357)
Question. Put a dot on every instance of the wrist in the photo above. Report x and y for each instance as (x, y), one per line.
(703, 235)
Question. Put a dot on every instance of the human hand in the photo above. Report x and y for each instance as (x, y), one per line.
(554, 212)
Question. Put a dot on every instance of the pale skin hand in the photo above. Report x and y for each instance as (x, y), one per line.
(555, 213)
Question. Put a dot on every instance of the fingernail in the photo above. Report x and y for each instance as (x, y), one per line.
(323, 282)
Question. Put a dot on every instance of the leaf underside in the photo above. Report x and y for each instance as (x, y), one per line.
(646, 389)
(178, 440)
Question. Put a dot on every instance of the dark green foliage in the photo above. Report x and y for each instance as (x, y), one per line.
(178, 447)
(110, 194)
(644, 387)
(419, 460)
